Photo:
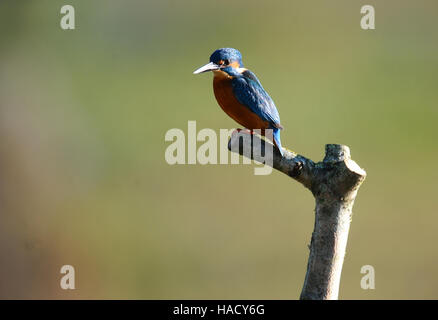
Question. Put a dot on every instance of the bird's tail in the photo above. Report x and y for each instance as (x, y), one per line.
(277, 141)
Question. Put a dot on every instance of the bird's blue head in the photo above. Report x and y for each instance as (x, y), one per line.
(227, 56)
(222, 58)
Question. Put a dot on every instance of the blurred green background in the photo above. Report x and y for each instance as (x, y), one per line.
(83, 180)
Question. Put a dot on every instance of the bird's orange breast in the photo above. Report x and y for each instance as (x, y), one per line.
(223, 92)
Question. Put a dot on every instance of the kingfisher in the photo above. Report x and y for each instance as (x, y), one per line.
(241, 95)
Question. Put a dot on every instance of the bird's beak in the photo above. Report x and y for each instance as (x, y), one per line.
(208, 67)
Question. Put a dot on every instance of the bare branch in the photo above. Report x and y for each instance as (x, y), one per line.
(334, 183)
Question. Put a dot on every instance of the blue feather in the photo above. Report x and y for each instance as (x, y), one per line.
(249, 92)
(276, 134)
(226, 54)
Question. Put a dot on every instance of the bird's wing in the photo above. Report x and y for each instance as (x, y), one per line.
(249, 92)
(250, 75)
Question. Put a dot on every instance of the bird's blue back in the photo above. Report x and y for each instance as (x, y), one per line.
(249, 91)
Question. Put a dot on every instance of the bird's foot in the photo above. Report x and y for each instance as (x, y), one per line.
(244, 130)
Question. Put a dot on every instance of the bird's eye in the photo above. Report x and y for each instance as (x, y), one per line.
(226, 62)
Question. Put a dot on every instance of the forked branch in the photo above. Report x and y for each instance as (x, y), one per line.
(334, 183)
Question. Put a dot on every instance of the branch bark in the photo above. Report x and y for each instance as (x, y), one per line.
(334, 183)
